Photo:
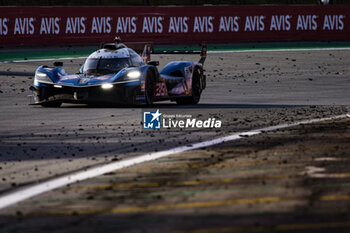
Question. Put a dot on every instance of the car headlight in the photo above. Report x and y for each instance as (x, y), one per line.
(42, 77)
(135, 74)
(106, 86)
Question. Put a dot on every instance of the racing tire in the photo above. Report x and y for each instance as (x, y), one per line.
(149, 87)
(196, 90)
(52, 104)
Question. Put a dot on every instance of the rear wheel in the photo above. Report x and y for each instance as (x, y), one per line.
(196, 90)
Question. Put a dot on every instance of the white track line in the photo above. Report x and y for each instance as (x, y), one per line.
(36, 189)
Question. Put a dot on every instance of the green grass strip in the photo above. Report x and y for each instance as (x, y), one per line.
(43, 54)
(20, 54)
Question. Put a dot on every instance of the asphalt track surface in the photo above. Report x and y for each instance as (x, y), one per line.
(291, 180)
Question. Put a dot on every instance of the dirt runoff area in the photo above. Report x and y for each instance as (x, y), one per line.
(291, 180)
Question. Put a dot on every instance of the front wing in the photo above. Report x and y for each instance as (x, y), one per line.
(120, 94)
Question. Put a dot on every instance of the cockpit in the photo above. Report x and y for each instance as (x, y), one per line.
(105, 65)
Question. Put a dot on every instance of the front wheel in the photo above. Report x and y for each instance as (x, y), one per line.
(149, 87)
(196, 90)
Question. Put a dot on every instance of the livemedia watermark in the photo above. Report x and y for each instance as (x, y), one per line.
(162, 120)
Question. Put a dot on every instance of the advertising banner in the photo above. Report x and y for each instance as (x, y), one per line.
(172, 24)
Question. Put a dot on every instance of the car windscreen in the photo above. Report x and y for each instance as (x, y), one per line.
(105, 65)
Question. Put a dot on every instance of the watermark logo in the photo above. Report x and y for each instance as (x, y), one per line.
(156, 120)
(152, 120)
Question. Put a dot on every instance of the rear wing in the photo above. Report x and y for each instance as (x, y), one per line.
(146, 53)
(143, 48)
(202, 52)
(146, 48)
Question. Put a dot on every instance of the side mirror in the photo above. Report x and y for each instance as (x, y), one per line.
(153, 63)
(58, 63)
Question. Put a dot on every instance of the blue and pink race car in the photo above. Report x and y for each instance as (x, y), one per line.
(118, 75)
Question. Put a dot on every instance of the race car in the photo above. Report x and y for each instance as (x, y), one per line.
(117, 74)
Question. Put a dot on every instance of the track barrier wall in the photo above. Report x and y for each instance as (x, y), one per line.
(172, 24)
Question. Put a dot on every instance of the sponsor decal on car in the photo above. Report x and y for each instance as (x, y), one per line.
(160, 89)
